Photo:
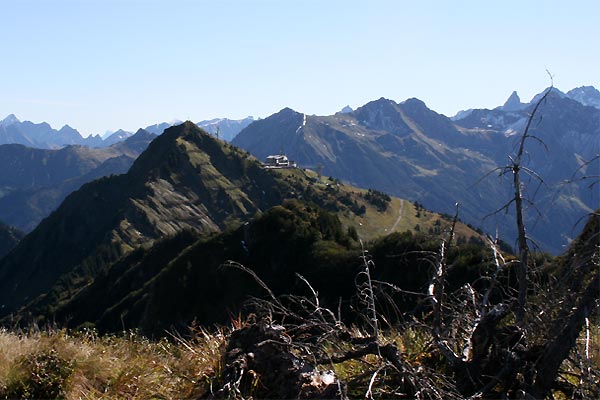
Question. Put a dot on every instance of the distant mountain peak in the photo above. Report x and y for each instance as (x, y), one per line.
(141, 131)
(117, 136)
(346, 110)
(287, 110)
(9, 120)
(414, 102)
(584, 89)
(380, 104)
(513, 103)
(226, 128)
(553, 92)
(462, 114)
(586, 95)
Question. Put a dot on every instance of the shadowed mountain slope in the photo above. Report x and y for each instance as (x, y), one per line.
(410, 151)
(187, 186)
(37, 181)
(185, 180)
(182, 279)
(9, 237)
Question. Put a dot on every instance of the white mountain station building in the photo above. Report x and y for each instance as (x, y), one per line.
(279, 161)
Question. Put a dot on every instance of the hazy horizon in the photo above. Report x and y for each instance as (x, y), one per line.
(105, 65)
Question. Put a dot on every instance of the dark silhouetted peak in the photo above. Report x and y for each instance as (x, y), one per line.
(183, 129)
(586, 95)
(346, 110)
(189, 125)
(513, 103)
(140, 139)
(164, 150)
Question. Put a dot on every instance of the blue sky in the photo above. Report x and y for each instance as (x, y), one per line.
(104, 65)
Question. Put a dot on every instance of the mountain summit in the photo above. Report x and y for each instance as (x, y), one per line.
(187, 186)
(185, 180)
(9, 120)
(586, 95)
(513, 103)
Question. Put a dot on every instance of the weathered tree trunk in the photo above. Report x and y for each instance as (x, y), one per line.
(523, 248)
(259, 362)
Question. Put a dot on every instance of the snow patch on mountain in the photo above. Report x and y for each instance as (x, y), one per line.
(515, 128)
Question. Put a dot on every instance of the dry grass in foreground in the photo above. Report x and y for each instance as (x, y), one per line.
(55, 364)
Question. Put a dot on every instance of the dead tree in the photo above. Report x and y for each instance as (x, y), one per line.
(517, 168)
(500, 359)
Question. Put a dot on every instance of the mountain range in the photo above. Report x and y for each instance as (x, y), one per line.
(410, 151)
(198, 232)
(191, 201)
(403, 148)
(43, 136)
(46, 165)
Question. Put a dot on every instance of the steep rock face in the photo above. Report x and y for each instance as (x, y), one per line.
(513, 103)
(184, 180)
